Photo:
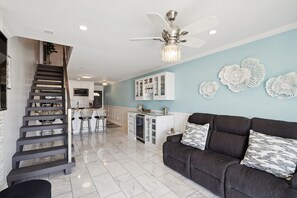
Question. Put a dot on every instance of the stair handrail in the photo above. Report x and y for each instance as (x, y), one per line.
(68, 104)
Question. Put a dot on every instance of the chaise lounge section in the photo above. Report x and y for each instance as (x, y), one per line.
(218, 168)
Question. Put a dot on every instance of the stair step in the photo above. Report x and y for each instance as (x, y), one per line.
(53, 67)
(39, 153)
(48, 78)
(41, 139)
(39, 169)
(46, 93)
(44, 108)
(44, 117)
(47, 88)
(44, 101)
(31, 128)
(49, 73)
(46, 82)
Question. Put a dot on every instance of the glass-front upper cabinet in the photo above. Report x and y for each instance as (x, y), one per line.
(156, 87)
(136, 89)
(139, 89)
(148, 88)
(164, 86)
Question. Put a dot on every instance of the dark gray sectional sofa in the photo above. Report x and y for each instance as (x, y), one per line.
(217, 168)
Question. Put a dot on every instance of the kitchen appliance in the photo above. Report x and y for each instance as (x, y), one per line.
(140, 130)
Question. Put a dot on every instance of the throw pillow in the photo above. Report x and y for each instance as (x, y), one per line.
(271, 154)
(195, 135)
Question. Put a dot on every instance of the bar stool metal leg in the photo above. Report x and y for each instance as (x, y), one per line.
(89, 125)
(81, 126)
(103, 124)
(96, 126)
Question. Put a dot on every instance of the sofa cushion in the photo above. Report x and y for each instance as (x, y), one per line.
(230, 135)
(177, 156)
(212, 163)
(208, 169)
(201, 119)
(256, 183)
(275, 127)
(271, 154)
(195, 135)
(178, 151)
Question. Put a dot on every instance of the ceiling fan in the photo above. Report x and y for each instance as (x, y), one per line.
(172, 35)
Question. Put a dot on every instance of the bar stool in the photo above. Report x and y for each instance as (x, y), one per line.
(85, 115)
(100, 115)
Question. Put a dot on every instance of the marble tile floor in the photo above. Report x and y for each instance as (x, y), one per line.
(113, 165)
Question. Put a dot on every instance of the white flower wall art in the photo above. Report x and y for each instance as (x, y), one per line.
(283, 86)
(208, 89)
(237, 77)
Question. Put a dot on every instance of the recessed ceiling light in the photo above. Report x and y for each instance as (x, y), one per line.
(82, 27)
(212, 32)
(85, 76)
(104, 83)
(47, 31)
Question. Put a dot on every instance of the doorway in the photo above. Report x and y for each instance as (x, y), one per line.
(98, 95)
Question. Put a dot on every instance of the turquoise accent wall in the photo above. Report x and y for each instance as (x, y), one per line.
(278, 54)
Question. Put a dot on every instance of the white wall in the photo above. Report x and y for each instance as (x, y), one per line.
(98, 87)
(83, 101)
(57, 58)
(24, 55)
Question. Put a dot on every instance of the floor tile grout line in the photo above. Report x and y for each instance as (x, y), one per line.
(101, 175)
(114, 147)
(122, 175)
(90, 177)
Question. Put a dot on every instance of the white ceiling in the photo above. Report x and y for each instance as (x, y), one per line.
(104, 50)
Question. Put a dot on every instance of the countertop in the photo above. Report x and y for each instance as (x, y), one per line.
(150, 114)
(80, 108)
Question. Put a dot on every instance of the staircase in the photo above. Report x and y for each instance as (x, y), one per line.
(43, 144)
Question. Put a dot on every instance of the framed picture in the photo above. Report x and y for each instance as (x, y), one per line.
(8, 72)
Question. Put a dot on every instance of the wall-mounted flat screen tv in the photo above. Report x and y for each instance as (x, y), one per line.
(3, 57)
(80, 92)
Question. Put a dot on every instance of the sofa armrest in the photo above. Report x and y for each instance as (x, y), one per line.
(293, 181)
(175, 138)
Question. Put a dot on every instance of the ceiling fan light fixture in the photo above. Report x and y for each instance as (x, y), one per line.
(171, 53)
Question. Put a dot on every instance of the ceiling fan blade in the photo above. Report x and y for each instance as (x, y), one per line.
(145, 38)
(201, 26)
(193, 42)
(159, 21)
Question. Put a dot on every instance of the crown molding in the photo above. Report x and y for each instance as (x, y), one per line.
(222, 48)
